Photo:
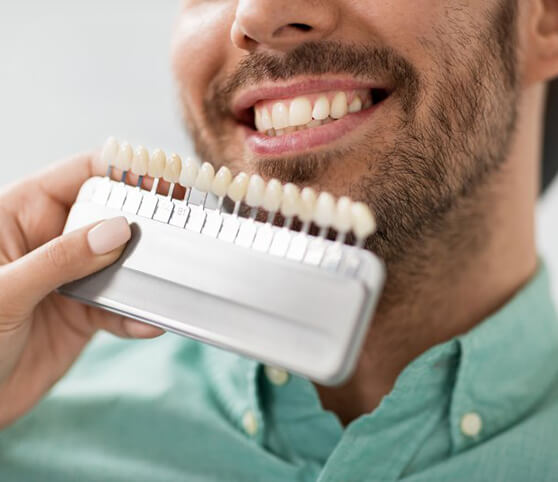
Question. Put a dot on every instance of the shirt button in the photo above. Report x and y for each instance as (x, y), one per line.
(249, 423)
(471, 424)
(277, 376)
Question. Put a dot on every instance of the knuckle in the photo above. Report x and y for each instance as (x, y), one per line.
(57, 253)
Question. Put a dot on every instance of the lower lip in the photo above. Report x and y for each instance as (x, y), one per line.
(306, 139)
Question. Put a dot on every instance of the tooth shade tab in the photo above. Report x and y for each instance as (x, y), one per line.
(109, 152)
(189, 173)
(255, 191)
(205, 177)
(157, 163)
(237, 188)
(221, 181)
(307, 204)
(324, 214)
(173, 168)
(140, 161)
(272, 196)
(363, 221)
(290, 201)
(124, 157)
(343, 215)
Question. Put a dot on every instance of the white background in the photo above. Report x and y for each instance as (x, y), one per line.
(74, 72)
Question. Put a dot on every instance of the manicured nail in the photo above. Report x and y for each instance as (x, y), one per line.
(109, 235)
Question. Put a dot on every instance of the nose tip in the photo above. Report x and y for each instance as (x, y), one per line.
(280, 25)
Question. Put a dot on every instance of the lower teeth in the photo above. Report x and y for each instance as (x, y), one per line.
(288, 130)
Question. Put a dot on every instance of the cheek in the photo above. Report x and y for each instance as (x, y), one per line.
(199, 49)
(401, 24)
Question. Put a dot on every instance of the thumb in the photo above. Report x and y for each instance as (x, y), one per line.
(64, 259)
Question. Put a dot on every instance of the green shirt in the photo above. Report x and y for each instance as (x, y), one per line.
(481, 407)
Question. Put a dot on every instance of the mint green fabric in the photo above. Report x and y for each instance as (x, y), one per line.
(172, 409)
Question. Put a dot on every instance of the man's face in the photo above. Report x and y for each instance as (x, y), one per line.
(406, 105)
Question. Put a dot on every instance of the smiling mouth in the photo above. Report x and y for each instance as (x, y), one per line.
(303, 116)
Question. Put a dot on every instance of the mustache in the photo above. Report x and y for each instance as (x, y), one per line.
(318, 58)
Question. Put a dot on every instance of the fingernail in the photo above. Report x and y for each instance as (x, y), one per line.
(137, 329)
(109, 235)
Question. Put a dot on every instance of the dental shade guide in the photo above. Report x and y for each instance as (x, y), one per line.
(284, 297)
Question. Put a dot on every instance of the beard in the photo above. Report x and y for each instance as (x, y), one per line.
(452, 133)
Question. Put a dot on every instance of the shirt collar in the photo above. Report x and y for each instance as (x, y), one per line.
(233, 380)
(498, 370)
(507, 363)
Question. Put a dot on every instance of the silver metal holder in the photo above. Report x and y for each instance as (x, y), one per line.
(303, 303)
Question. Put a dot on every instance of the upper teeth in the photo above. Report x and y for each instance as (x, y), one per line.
(308, 111)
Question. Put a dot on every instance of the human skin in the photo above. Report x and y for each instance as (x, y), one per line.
(449, 162)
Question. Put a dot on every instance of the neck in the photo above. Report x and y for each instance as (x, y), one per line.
(443, 288)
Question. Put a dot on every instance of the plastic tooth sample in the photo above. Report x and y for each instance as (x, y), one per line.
(253, 199)
(220, 184)
(140, 161)
(188, 176)
(290, 203)
(324, 213)
(189, 173)
(204, 180)
(157, 163)
(255, 193)
(172, 171)
(306, 207)
(123, 159)
(156, 167)
(305, 212)
(237, 190)
(363, 222)
(272, 198)
(172, 168)
(343, 220)
(109, 152)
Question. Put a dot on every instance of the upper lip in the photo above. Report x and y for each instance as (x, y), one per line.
(247, 97)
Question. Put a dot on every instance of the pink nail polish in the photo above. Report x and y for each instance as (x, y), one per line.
(109, 235)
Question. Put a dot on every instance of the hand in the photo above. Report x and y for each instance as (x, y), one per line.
(41, 332)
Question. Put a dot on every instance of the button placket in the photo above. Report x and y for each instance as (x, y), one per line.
(276, 376)
(250, 423)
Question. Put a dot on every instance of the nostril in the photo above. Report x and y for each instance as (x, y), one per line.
(301, 26)
(292, 30)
